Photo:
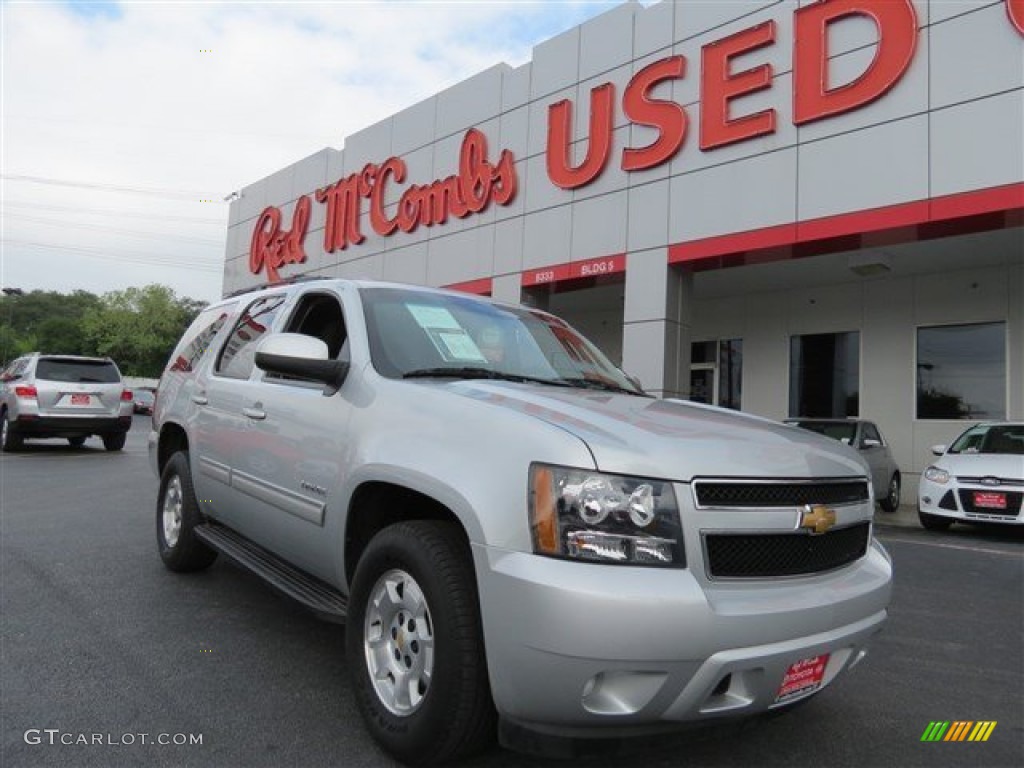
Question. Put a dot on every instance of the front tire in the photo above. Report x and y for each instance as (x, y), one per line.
(414, 645)
(115, 441)
(892, 500)
(10, 440)
(177, 515)
(934, 522)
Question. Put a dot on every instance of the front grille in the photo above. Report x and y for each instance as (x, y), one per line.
(1013, 500)
(766, 555)
(781, 494)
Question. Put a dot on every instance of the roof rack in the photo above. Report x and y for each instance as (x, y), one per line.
(286, 281)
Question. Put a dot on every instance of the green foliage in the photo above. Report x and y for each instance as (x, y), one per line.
(136, 327)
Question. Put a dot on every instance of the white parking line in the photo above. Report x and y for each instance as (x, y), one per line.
(952, 546)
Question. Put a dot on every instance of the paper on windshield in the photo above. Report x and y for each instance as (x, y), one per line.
(449, 338)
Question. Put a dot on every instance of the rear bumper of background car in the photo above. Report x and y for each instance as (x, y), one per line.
(30, 425)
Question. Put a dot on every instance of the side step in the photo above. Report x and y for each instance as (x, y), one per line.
(321, 598)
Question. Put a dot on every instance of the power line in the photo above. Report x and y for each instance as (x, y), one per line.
(171, 262)
(111, 212)
(147, 191)
(130, 232)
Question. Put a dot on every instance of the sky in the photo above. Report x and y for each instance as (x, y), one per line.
(126, 124)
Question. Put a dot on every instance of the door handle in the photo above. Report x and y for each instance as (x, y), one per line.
(200, 399)
(255, 413)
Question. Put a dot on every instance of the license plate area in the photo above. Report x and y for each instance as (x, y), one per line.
(989, 500)
(802, 677)
(80, 399)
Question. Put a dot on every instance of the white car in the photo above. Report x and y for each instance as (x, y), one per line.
(979, 478)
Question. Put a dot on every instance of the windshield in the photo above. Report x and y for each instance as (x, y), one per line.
(1002, 438)
(413, 333)
(840, 431)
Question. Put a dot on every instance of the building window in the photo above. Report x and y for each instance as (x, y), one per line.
(824, 375)
(716, 372)
(961, 371)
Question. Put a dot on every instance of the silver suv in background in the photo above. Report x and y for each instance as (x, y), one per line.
(865, 437)
(63, 396)
(521, 541)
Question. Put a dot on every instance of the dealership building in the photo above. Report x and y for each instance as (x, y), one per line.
(788, 208)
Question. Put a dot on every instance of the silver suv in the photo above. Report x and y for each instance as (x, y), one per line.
(519, 539)
(63, 396)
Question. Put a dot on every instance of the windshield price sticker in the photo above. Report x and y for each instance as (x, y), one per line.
(449, 338)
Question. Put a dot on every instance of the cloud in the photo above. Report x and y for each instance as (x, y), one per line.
(201, 99)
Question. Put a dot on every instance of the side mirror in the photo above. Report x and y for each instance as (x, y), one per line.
(868, 442)
(938, 450)
(301, 356)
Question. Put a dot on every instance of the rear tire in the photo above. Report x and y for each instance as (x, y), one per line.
(892, 500)
(76, 442)
(10, 440)
(934, 522)
(115, 441)
(177, 515)
(414, 645)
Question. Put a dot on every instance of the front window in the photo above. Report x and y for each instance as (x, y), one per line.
(843, 431)
(998, 438)
(414, 332)
(961, 371)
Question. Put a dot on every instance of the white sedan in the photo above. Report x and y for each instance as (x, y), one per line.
(979, 478)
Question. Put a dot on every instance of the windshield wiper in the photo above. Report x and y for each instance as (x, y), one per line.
(479, 373)
(605, 386)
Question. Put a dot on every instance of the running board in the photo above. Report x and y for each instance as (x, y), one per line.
(321, 598)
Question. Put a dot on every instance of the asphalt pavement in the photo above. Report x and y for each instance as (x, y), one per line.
(99, 642)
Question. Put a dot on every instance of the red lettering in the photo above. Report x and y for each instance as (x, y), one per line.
(813, 98)
(560, 168)
(391, 168)
(474, 172)
(1015, 10)
(342, 224)
(719, 86)
(272, 247)
(667, 116)
(505, 182)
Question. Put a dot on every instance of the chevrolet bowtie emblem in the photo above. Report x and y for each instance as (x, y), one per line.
(817, 518)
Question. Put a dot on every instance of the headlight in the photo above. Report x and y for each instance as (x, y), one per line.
(936, 475)
(593, 516)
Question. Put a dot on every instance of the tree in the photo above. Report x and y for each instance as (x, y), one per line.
(138, 327)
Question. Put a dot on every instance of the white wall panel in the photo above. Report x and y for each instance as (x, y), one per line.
(412, 128)
(470, 102)
(406, 265)
(648, 216)
(961, 70)
(310, 173)
(695, 17)
(653, 29)
(555, 64)
(877, 166)
(547, 236)
(606, 41)
(370, 145)
(978, 144)
(748, 194)
(515, 87)
(508, 246)
(599, 226)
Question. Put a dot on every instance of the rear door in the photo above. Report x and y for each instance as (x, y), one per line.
(76, 387)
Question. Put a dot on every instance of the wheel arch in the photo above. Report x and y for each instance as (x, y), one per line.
(376, 504)
(173, 438)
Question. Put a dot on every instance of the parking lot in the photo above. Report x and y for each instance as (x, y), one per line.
(100, 640)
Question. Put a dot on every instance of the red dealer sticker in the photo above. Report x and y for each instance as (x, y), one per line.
(802, 677)
(988, 500)
(79, 399)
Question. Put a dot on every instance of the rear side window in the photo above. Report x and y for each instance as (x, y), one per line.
(197, 338)
(237, 358)
(77, 371)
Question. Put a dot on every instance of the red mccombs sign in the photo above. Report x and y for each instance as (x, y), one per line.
(479, 182)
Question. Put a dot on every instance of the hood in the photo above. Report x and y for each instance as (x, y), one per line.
(1005, 465)
(671, 439)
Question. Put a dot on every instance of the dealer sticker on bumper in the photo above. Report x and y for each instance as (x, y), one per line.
(803, 677)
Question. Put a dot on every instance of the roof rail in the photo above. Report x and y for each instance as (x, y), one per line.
(286, 281)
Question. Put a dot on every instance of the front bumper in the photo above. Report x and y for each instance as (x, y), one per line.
(949, 501)
(578, 649)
